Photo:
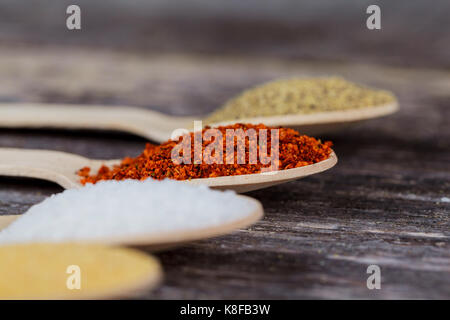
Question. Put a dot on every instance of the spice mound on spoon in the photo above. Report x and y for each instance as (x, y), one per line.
(75, 271)
(311, 105)
(299, 157)
(238, 149)
(300, 96)
(151, 213)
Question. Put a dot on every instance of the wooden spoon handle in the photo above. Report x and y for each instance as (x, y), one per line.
(150, 124)
(7, 220)
(54, 166)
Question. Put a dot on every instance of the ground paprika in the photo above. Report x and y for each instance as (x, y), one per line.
(156, 161)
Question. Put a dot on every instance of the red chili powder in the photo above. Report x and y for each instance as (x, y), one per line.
(295, 150)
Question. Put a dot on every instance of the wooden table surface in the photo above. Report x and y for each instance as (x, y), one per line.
(387, 202)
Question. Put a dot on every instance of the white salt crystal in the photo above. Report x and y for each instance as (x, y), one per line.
(117, 209)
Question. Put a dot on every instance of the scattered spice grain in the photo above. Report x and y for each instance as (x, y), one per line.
(117, 211)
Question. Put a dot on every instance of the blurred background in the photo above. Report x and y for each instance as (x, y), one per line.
(414, 32)
(136, 52)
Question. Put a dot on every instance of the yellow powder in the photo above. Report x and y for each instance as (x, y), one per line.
(300, 96)
(39, 271)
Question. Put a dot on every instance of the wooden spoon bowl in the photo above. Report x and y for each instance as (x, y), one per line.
(62, 168)
(160, 127)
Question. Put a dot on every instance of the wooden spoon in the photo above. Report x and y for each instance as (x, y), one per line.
(159, 127)
(321, 122)
(61, 168)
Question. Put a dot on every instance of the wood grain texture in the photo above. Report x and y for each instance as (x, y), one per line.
(385, 203)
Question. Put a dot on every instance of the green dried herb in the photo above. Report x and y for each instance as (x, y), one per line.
(300, 96)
